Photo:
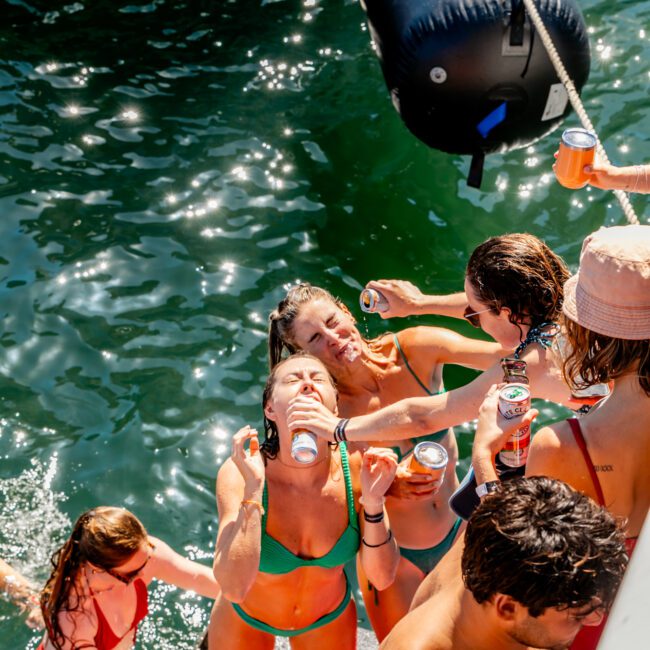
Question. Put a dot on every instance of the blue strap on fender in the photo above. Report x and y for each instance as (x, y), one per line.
(493, 119)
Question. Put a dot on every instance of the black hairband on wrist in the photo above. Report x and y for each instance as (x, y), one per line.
(339, 430)
(373, 519)
(390, 536)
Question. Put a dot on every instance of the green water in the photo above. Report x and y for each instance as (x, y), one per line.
(166, 171)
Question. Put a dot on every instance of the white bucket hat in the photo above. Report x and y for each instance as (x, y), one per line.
(610, 293)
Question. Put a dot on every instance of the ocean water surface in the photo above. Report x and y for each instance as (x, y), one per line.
(167, 170)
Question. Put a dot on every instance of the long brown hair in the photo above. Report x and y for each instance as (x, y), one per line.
(105, 537)
(596, 358)
(271, 444)
(281, 319)
(520, 272)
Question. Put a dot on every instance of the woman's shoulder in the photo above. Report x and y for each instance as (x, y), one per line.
(78, 625)
(553, 452)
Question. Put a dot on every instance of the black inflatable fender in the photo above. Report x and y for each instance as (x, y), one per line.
(472, 76)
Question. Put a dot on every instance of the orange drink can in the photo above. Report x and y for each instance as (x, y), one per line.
(429, 458)
(577, 149)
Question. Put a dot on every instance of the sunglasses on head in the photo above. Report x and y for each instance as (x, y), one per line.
(472, 316)
(128, 576)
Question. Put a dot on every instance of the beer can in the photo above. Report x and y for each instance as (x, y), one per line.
(303, 447)
(514, 400)
(429, 458)
(514, 370)
(577, 149)
(372, 300)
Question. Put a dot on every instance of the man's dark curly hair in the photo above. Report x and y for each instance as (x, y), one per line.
(545, 545)
(520, 272)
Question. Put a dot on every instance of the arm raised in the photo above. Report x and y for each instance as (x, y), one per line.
(405, 299)
(240, 485)
(379, 552)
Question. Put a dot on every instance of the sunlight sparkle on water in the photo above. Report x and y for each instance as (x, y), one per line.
(130, 114)
(624, 148)
(72, 109)
(172, 199)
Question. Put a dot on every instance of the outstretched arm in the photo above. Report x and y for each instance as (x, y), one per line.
(408, 418)
(427, 347)
(405, 299)
(22, 593)
(169, 566)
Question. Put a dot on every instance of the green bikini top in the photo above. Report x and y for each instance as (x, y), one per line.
(432, 437)
(275, 558)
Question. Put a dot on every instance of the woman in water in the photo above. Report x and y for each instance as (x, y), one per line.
(605, 454)
(97, 593)
(369, 375)
(286, 529)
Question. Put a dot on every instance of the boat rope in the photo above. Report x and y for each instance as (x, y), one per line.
(574, 98)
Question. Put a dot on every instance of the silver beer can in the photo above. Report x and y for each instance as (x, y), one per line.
(303, 447)
(372, 301)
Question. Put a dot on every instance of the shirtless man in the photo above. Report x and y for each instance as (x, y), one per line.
(522, 580)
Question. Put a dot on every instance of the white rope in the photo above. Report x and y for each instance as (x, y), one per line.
(574, 98)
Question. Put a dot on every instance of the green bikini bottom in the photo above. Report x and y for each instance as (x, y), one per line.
(323, 620)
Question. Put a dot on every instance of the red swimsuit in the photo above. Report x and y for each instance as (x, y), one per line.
(105, 638)
(589, 635)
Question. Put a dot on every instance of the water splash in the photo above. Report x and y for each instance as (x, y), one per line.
(31, 524)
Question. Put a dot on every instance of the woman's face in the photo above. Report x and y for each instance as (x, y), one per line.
(328, 332)
(129, 570)
(299, 376)
(498, 326)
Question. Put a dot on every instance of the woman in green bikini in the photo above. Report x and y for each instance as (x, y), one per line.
(370, 375)
(286, 529)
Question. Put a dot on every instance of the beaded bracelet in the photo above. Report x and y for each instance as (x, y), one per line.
(390, 536)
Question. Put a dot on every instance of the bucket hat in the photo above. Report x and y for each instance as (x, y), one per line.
(610, 293)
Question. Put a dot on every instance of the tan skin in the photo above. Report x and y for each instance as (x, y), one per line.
(617, 434)
(307, 514)
(118, 601)
(416, 416)
(447, 617)
(23, 593)
(605, 176)
(369, 377)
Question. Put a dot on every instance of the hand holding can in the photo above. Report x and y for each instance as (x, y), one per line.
(577, 149)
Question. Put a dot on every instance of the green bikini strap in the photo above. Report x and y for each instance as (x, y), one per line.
(348, 489)
(265, 507)
(354, 522)
(408, 365)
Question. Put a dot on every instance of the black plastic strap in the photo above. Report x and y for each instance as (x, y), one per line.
(517, 21)
(476, 170)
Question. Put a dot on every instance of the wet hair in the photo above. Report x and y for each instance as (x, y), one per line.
(281, 319)
(544, 544)
(105, 537)
(520, 272)
(271, 445)
(596, 358)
